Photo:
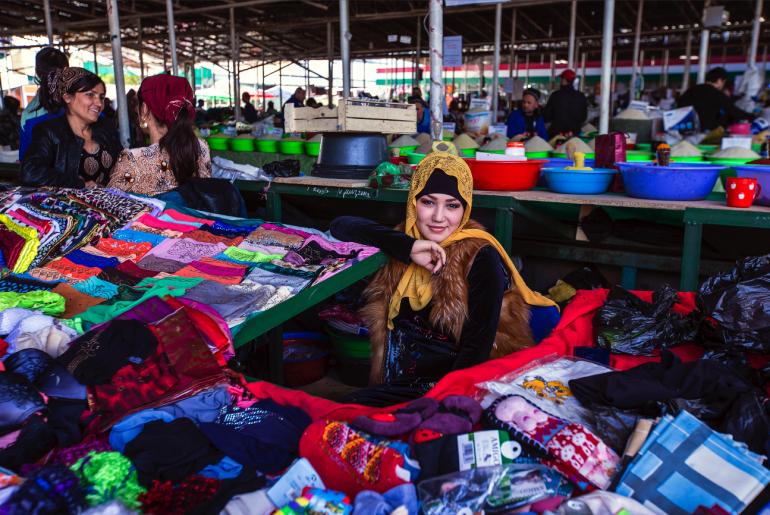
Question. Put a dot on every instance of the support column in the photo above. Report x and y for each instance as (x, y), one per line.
(687, 63)
(235, 59)
(436, 45)
(664, 74)
(513, 59)
(607, 33)
(48, 22)
(637, 41)
(755, 28)
(496, 60)
(583, 71)
(96, 61)
(704, 47)
(192, 66)
(571, 52)
(117, 63)
(172, 36)
(418, 51)
(141, 48)
(345, 47)
(329, 58)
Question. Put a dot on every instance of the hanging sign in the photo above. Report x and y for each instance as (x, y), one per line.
(453, 51)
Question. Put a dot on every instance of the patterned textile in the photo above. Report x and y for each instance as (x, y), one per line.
(208, 237)
(24, 284)
(96, 287)
(73, 271)
(146, 170)
(185, 250)
(124, 249)
(165, 233)
(138, 236)
(85, 259)
(131, 268)
(159, 264)
(683, 464)
(163, 225)
(121, 209)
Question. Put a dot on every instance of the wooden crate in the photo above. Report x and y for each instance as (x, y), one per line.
(353, 115)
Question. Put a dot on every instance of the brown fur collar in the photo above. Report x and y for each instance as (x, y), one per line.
(449, 306)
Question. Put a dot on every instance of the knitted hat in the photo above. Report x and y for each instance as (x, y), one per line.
(351, 461)
(108, 476)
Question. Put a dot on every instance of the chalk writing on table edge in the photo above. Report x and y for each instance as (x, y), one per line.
(345, 193)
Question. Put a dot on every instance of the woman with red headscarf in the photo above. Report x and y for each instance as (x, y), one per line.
(166, 115)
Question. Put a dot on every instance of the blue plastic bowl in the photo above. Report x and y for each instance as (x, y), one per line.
(762, 174)
(560, 162)
(679, 181)
(579, 182)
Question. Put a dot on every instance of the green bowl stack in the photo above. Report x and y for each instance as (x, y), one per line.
(242, 144)
(708, 149)
(312, 148)
(291, 147)
(468, 152)
(687, 159)
(218, 142)
(636, 156)
(644, 146)
(353, 356)
(268, 146)
(563, 155)
(730, 161)
(414, 158)
(538, 155)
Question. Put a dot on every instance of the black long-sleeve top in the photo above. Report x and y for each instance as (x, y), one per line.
(714, 108)
(487, 282)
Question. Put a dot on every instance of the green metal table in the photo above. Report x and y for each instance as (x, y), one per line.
(271, 320)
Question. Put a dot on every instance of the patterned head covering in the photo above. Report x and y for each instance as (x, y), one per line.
(61, 81)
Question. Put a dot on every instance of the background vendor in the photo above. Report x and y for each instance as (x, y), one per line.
(527, 120)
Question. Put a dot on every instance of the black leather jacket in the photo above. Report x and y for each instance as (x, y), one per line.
(53, 156)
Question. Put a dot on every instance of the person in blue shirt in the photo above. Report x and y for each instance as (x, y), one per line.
(423, 115)
(527, 120)
(47, 60)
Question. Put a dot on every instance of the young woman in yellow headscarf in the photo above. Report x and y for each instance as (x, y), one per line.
(449, 298)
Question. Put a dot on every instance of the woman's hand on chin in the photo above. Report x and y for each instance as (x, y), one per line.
(429, 255)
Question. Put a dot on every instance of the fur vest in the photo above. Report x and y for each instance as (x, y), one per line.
(449, 305)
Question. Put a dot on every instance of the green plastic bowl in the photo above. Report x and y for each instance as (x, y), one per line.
(468, 152)
(635, 156)
(312, 148)
(218, 142)
(689, 159)
(414, 158)
(350, 346)
(563, 155)
(644, 146)
(404, 151)
(269, 146)
(729, 161)
(291, 147)
(242, 144)
(538, 155)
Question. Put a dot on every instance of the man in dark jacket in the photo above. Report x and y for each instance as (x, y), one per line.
(527, 120)
(248, 111)
(713, 106)
(566, 109)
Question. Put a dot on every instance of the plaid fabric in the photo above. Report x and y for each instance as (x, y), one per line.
(683, 464)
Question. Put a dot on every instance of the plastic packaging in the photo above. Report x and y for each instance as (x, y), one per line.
(626, 324)
(487, 489)
(739, 301)
(285, 168)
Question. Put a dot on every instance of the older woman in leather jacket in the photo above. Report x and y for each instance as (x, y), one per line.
(76, 150)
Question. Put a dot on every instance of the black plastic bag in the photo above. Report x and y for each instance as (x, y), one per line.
(626, 324)
(749, 421)
(739, 302)
(285, 168)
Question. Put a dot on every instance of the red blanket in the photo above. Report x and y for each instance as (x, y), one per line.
(574, 330)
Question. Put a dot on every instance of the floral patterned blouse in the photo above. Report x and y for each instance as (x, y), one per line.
(146, 170)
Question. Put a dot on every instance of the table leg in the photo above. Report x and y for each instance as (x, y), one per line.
(275, 355)
(504, 227)
(274, 206)
(693, 233)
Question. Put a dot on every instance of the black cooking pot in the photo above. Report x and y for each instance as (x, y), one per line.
(350, 155)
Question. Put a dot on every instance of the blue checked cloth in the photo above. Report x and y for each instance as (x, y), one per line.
(684, 464)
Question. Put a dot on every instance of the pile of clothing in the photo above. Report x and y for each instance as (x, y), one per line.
(115, 396)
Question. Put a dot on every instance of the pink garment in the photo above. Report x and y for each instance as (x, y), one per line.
(217, 267)
(157, 223)
(186, 250)
(9, 439)
(176, 215)
(343, 247)
(285, 230)
(19, 215)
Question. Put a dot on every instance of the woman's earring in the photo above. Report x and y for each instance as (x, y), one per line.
(144, 124)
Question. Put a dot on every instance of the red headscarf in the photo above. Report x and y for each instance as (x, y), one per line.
(165, 95)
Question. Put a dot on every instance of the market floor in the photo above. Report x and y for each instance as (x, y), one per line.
(329, 387)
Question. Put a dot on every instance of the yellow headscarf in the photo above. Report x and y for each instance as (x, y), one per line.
(415, 283)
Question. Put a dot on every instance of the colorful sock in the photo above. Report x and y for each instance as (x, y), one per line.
(457, 414)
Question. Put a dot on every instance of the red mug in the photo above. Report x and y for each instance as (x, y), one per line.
(741, 191)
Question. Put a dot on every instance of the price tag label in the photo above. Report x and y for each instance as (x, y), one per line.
(449, 127)
(498, 128)
(736, 141)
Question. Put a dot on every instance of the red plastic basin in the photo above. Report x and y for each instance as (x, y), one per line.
(505, 175)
